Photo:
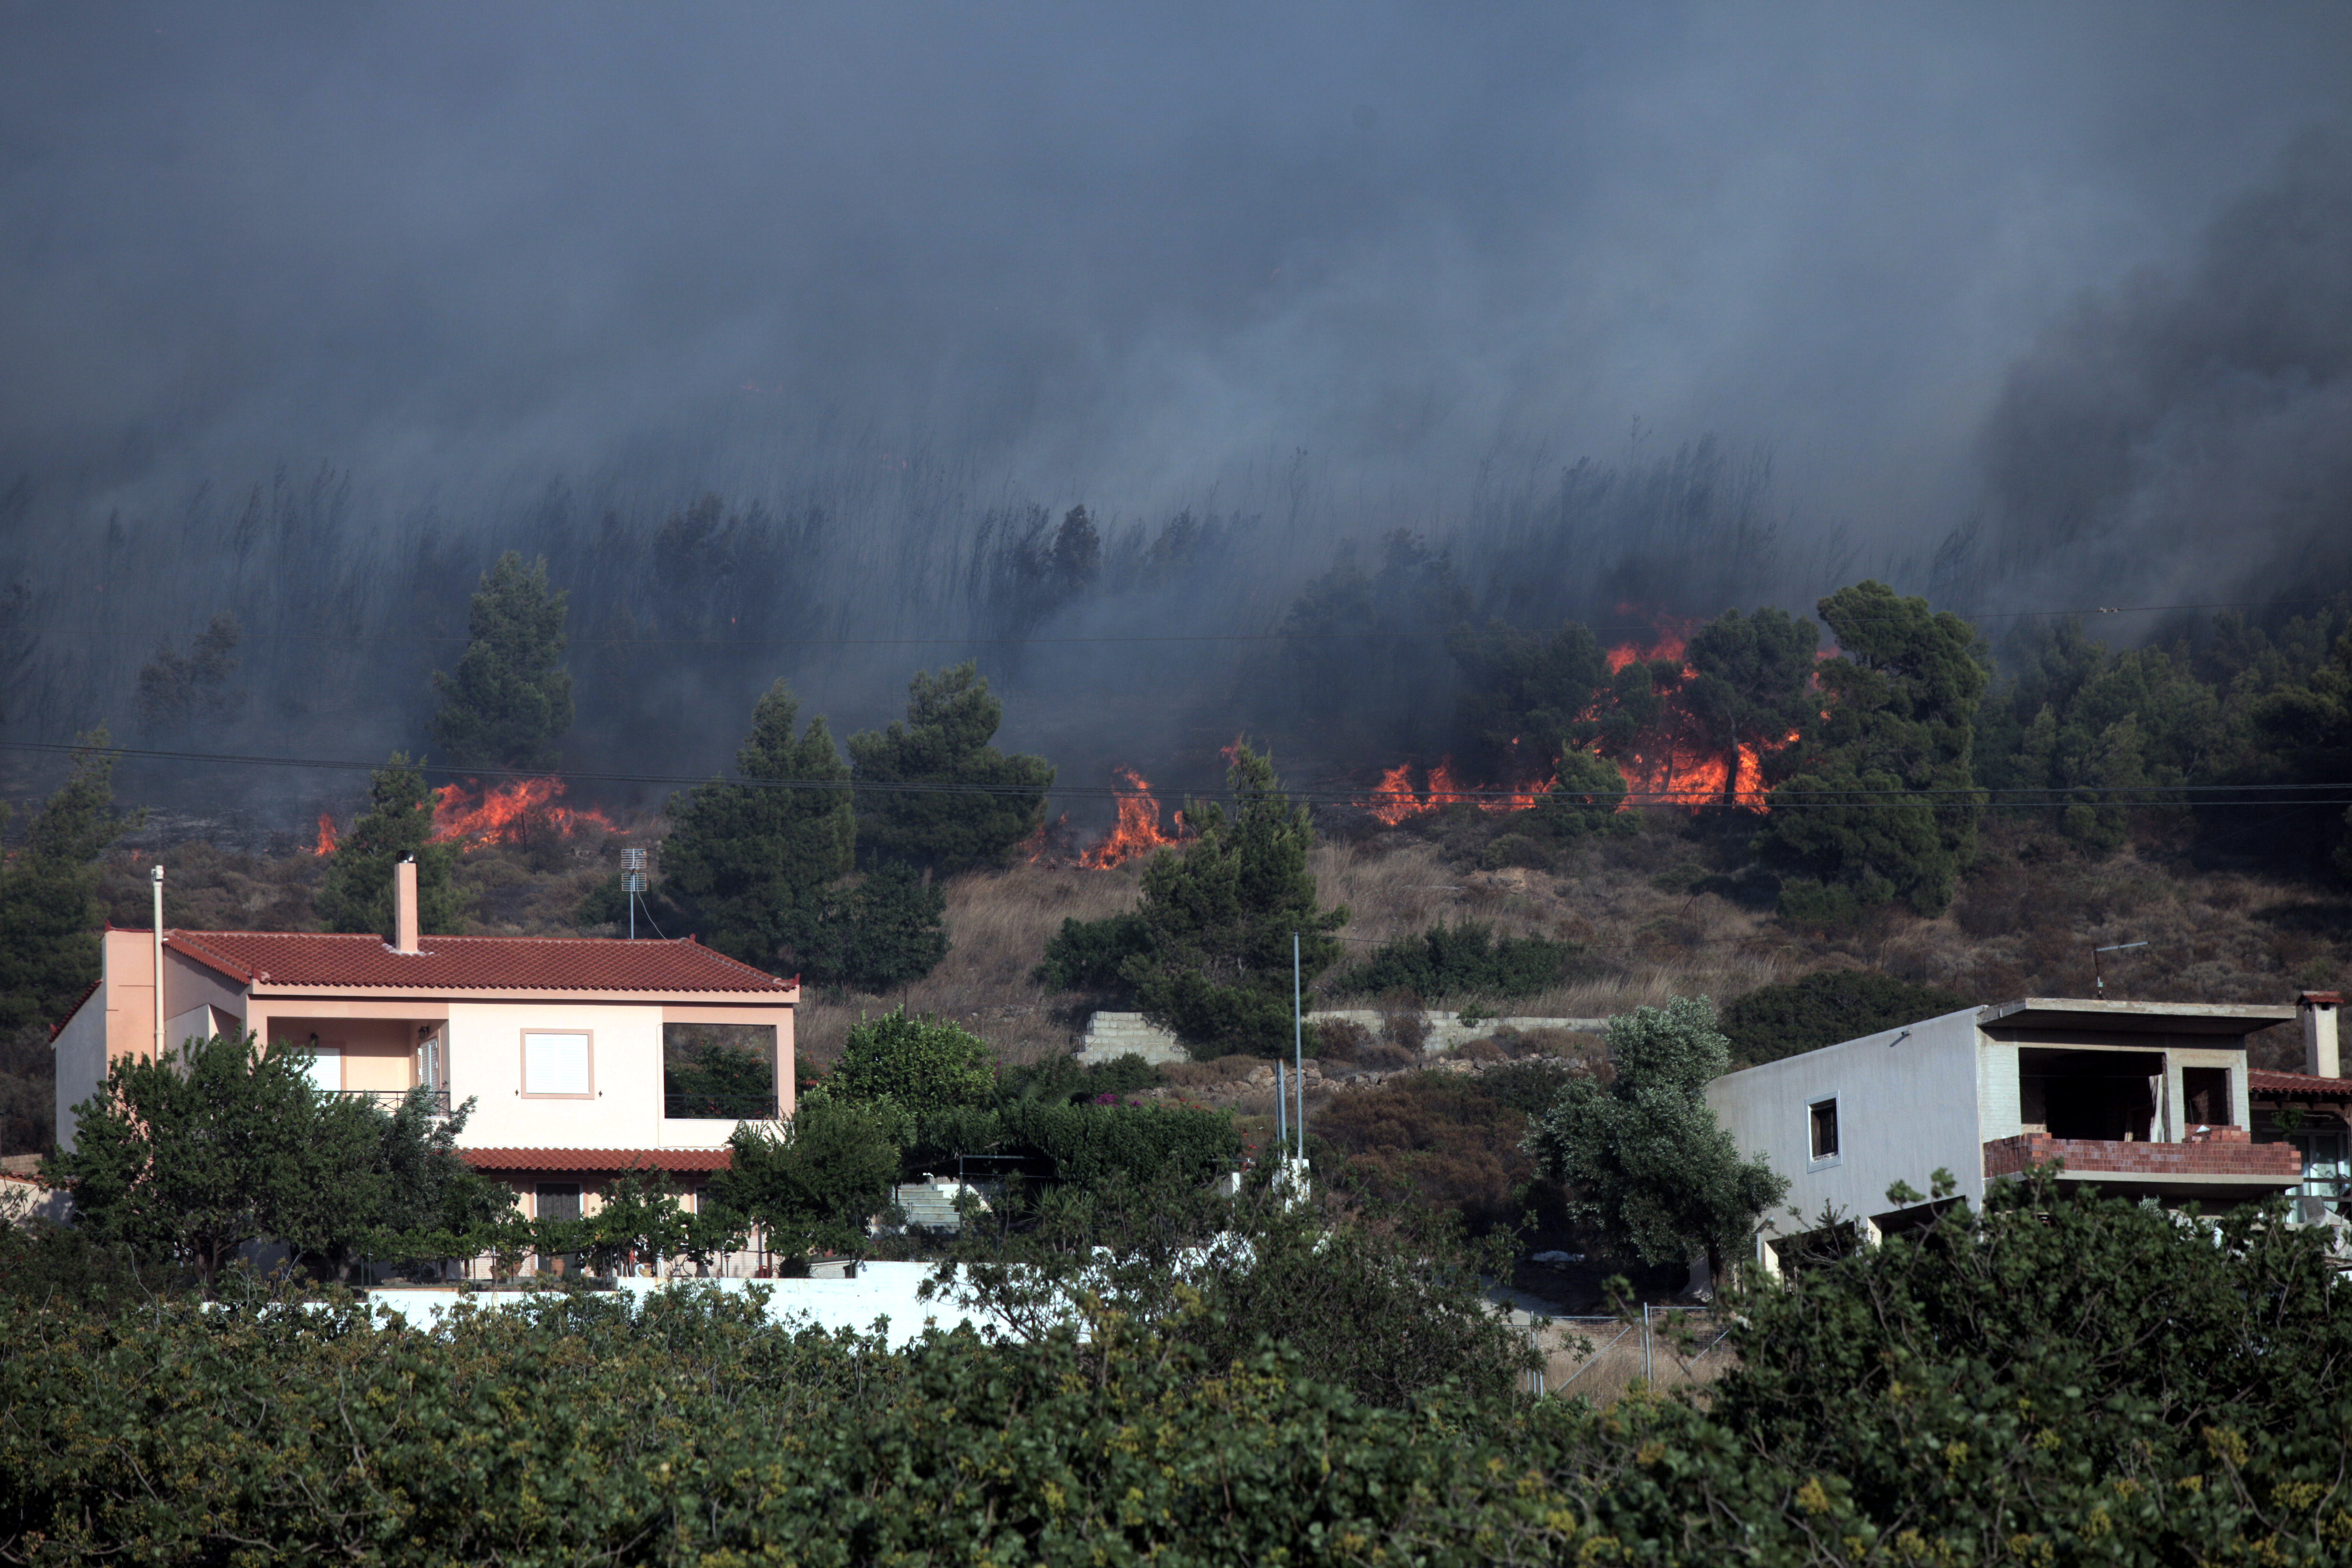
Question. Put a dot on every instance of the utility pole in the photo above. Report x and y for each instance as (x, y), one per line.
(1298, 1046)
(157, 876)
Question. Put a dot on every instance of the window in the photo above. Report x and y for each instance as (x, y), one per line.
(557, 1065)
(1825, 1129)
(2205, 1096)
(559, 1203)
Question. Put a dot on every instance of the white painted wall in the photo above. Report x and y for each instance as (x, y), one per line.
(486, 1065)
(1910, 1100)
(80, 1048)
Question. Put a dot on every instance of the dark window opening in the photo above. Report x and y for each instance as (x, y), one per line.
(1825, 1129)
(2205, 1096)
(559, 1203)
(2107, 1096)
(720, 1071)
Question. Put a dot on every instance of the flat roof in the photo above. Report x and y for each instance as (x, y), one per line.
(2238, 1019)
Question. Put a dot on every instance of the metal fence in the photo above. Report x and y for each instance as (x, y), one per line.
(436, 1101)
(1601, 1358)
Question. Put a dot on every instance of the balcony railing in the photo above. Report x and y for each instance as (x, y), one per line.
(436, 1101)
(718, 1107)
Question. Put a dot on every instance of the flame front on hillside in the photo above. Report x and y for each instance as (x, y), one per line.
(504, 814)
(1137, 832)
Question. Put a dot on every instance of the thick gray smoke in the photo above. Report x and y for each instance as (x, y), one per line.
(2190, 436)
(306, 313)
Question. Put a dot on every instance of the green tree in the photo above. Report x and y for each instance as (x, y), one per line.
(878, 933)
(750, 861)
(510, 700)
(1213, 959)
(1460, 959)
(816, 1182)
(49, 914)
(1775, 1021)
(2307, 728)
(1527, 695)
(1587, 798)
(994, 803)
(1883, 803)
(1753, 685)
(918, 1063)
(222, 1142)
(355, 893)
(1643, 1159)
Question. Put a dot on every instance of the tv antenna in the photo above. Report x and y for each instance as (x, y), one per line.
(2100, 980)
(633, 883)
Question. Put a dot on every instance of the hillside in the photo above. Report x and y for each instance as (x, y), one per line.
(1650, 913)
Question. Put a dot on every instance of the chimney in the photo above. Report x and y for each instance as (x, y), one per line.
(2320, 1056)
(403, 920)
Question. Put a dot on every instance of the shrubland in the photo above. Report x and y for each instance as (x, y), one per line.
(2059, 1378)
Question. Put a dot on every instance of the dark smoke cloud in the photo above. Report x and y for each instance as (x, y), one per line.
(2192, 435)
(309, 311)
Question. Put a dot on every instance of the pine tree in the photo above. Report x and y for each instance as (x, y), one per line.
(752, 863)
(1884, 803)
(49, 913)
(1754, 684)
(356, 894)
(997, 802)
(1218, 917)
(511, 701)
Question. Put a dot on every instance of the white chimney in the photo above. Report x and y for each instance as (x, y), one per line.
(2320, 1056)
(404, 916)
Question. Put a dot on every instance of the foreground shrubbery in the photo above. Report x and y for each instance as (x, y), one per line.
(2062, 1380)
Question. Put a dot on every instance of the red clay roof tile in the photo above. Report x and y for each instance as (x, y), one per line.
(2260, 1082)
(474, 962)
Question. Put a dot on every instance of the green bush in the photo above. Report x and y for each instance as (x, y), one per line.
(2062, 1379)
(1087, 955)
(1087, 1145)
(920, 1063)
(1461, 960)
(1775, 1021)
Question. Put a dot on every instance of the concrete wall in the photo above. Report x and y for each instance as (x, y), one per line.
(1908, 1102)
(623, 1109)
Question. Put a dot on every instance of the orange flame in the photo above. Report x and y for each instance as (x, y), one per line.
(1137, 832)
(503, 814)
(326, 845)
(1394, 799)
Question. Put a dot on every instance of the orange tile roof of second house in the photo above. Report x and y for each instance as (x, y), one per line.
(474, 962)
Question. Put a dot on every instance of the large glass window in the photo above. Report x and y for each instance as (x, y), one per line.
(720, 1071)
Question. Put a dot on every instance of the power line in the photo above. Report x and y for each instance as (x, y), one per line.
(1636, 628)
(2140, 795)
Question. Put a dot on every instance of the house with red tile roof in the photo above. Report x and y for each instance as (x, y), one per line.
(579, 1054)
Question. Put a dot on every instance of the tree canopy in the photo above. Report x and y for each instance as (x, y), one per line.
(223, 1142)
(1644, 1158)
(510, 700)
(996, 800)
(49, 914)
(1207, 951)
(355, 893)
(918, 1063)
(1882, 803)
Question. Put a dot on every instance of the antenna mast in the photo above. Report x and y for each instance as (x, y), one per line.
(633, 883)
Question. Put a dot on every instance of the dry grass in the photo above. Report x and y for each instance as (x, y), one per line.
(2028, 915)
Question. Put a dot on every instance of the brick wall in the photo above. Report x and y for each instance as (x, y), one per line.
(2216, 1157)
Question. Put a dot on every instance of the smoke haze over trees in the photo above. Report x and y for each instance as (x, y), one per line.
(828, 347)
